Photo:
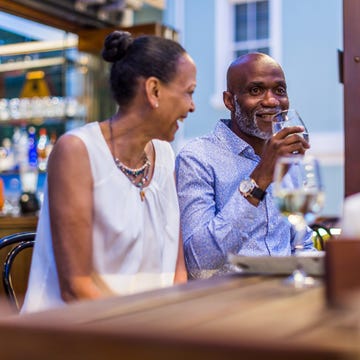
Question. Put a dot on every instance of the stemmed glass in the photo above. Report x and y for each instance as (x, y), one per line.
(286, 118)
(299, 196)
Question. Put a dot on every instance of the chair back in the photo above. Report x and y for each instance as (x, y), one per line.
(16, 243)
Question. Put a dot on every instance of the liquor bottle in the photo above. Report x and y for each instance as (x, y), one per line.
(50, 144)
(7, 161)
(43, 142)
(32, 147)
(21, 147)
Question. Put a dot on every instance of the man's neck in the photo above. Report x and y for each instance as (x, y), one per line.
(256, 143)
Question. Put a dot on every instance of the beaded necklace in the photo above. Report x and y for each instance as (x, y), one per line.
(132, 174)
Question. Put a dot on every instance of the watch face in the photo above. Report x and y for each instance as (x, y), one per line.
(246, 186)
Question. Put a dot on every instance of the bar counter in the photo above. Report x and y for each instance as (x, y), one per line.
(13, 224)
(247, 317)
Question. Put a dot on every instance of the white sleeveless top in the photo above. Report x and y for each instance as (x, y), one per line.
(135, 243)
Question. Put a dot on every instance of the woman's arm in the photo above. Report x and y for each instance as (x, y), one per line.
(180, 271)
(70, 187)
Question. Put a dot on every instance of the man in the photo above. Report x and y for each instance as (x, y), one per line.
(224, 178)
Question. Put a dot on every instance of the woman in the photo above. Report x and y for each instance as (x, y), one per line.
(109, 223)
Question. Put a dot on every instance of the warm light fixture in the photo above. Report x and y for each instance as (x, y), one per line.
(31, 64)
(37, 46)
(160, 4)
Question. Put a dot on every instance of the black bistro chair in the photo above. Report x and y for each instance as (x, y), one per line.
(16, 244)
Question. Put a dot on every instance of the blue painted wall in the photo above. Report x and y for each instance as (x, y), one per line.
(198, 39)
(311, 34)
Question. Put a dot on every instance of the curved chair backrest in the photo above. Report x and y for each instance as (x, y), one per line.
(16, 238)
(17, 243)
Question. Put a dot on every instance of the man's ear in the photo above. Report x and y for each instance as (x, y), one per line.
(228, 99)
(152, 89)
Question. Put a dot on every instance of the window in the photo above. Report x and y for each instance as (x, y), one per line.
(243, 26)
(251, 27)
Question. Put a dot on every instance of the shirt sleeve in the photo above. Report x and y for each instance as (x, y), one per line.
(209, 233)
(308, 240)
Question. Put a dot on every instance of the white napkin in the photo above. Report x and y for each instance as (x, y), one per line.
(350, 223)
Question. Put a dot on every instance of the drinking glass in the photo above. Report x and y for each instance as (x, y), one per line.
(299, 196)
(286, 118)
(28, 178)
(12, 196)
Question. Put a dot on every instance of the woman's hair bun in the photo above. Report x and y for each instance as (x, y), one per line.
(116, 45)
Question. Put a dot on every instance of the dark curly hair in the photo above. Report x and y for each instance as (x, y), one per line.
(143, 56)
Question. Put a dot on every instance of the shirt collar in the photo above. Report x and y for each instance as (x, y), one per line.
(229, 139)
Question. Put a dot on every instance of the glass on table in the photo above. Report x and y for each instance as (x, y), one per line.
(299, 195)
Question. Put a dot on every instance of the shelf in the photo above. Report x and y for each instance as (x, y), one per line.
(34, 108)
(39, 121)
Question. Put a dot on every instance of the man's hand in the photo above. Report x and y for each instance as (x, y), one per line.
(286, 142)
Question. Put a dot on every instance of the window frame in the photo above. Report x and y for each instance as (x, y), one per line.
(224, 43)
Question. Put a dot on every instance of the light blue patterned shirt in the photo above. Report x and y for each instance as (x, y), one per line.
(215, 218)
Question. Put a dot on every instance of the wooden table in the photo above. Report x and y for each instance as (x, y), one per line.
(232, 316)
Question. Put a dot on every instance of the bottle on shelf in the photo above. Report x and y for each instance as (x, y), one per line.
(42, 153)
(50, 144)
(20, 142)
(32, 147)
(15, 140)
(6, 155)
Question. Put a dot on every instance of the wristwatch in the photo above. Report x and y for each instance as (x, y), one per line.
(249, 187)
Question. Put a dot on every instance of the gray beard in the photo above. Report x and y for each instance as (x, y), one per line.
(247, 124)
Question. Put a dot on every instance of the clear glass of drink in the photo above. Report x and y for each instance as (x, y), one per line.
(286, 118)
(299, 195)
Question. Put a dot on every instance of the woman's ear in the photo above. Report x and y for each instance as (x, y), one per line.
(152, 88)
(228, 99)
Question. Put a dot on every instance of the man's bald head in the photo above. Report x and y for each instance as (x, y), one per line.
(246, 64)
